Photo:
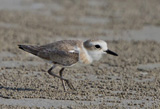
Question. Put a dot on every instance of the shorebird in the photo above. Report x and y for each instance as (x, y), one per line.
(67, 53)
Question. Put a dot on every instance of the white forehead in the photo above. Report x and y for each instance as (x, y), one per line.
(102, 43)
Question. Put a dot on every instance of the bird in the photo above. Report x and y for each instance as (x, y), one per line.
(69, 53)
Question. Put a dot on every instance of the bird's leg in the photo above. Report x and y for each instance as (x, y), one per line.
(60, 77)
(60, 73)
(70, 85)
(67, 81)
(51, 73)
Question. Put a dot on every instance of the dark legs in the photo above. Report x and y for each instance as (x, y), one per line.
(60, 77)
(51, 73)
(60, 73)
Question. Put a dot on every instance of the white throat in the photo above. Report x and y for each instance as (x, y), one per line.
(95, 55)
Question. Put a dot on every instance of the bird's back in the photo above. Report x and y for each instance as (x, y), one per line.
(57, 52)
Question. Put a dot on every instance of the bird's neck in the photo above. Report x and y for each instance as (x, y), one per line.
(84, 56)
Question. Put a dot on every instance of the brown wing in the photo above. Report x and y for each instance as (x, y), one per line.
(60, 57)
(58, 52)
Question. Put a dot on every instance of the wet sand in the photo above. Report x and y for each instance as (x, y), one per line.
(130, 80)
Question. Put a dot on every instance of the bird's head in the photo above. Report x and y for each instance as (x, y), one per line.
(96, 48)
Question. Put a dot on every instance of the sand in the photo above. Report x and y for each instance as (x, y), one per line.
(131, 29)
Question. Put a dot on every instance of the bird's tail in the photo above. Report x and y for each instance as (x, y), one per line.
(29, 48)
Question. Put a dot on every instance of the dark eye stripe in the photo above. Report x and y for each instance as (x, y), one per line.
(97, 46)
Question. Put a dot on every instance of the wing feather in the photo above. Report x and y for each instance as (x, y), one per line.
(60, 52)
(60, 57)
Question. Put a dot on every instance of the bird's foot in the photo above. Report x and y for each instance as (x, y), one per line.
(70, 85)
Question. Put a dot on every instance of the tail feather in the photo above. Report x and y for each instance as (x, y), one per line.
(29, 48)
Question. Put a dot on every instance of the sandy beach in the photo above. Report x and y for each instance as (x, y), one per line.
(131, 29)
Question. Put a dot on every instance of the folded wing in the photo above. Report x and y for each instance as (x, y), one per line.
(61, 52)
(59, 57)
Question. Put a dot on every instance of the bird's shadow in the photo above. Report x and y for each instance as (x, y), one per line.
(14, 89)
(17, 89)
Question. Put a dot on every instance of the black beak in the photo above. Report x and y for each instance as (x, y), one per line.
(111, 52)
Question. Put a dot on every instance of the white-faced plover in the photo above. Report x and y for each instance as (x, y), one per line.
(67, 53)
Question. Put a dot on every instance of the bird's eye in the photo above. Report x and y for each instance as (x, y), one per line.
(97, 46)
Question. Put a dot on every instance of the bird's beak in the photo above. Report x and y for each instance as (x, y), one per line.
(111, 52)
